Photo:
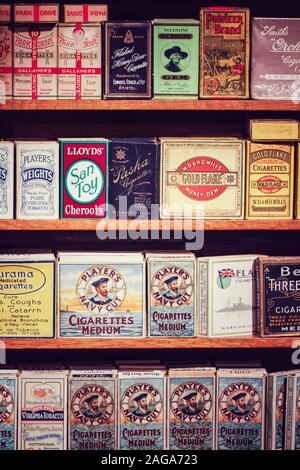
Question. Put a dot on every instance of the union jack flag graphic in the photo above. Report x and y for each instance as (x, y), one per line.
(226, 273)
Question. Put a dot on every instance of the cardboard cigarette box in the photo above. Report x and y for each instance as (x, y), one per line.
(35, 62)
(8, 409)
(79, 61)
(176, 59)
(202, 178)
(101, 295)
(171, 281)
(37, 180)
(142, 403)
(224, 52)
(83, 178)
(27, 295)
(35, 13)
(6, 62)
(240, 409)
(133, 177)
(278, 305)
(275, 56)
(226, 294)
(93, 413)
(85, 13)
(276, 410)
(128, 55)
(7, 188)
(274, 130)
(292, 423)
(191, 409)
(269, 181)
(43, 410)
(5, 13)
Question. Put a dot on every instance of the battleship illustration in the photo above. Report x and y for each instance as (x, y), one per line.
(234, 306)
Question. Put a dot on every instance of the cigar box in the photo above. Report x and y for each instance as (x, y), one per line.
(269, 181)
(79, 61)
(6, 180)
(101, 295)
(226, 299)
(224, 52)
(275, 57)
(133, 177)
(85, 13)
(176, 59)
(278, 303)
(92, 408)
(27, 296)
(35, 61)
(171, 281)
(128, 55)
(142, 407)
(8, 409)
(292, 423)
(274, 130)
(35, 13)
(202, 178)
(240, 409)
(42, 423)
(5, 13)
(37, 179)
(191, 409)
(83, 178)
(276, 410)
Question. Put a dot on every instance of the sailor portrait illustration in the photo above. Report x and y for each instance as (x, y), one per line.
(102, 292)
(175, 56)
(142, 405)
(92, 410)
(192, 406)
(241, 407)
(173, 289)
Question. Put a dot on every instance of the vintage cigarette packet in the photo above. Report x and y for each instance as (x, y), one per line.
(224, 52)
(92, 409)
(128, 56)
(37, 180)
(240, 409)
(8, 409)
(142, 403)
(83, 178)
(274, 130)
(85, 13)
(191, 409)
(278, 303)
(79, 61)
(226, 299)
(7, 188)
(176, 59)
(269, 181)
(42, 411)
(101, 295)
(27, 296)
(202, 178)
(171, 284)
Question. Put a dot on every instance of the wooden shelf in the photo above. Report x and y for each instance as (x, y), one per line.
(92, 225)
(150, 343)
(152, 105)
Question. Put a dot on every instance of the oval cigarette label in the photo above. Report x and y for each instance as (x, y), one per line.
(191, 402)
(20, 279)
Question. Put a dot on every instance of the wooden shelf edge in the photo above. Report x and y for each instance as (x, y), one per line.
(117, 225)
(149, 343)
(154, 105)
